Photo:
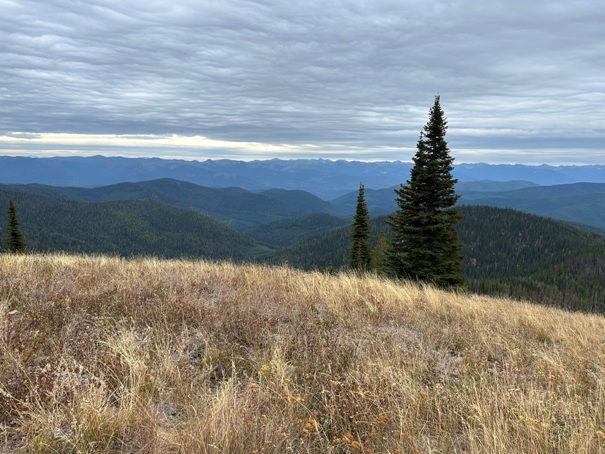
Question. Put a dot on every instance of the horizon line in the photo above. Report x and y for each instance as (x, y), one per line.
(215, 159)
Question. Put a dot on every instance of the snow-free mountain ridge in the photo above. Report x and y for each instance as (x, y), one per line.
(323, 178)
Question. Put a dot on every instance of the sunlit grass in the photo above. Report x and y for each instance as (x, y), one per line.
(102, 354)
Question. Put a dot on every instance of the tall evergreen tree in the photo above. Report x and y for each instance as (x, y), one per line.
(360, 256)
(425, 244)
(16, 240)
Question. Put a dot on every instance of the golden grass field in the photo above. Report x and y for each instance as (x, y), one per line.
(107, 355)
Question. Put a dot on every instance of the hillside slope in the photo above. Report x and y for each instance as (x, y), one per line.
(234, 206)
(507, 252)
(285, 232)
(578, 203)
(305, 202)
(382, 201)
(108, 355)
(129, 227)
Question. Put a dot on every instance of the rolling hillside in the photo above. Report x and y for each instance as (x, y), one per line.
(236, 207)
(285, 232)
(507, 252)
(382, 201)
(304, 202)
(379, 201)
(108, 355)
(128, 227)
(578, 203)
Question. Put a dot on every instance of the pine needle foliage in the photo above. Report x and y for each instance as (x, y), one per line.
(425, 243)
(360, 255)
(16, 240)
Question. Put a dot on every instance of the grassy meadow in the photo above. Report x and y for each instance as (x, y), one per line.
(111, 355)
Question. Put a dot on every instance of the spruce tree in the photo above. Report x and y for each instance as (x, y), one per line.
(425, 244)
(360, 247)
(16, 240)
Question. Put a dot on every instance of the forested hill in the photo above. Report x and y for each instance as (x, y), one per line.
(239, 208)
(582, 203)
(507, 252)
(126, 227)
(578, 203)
(512, 253)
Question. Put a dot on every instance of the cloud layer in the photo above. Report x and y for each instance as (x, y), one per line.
(519, 81)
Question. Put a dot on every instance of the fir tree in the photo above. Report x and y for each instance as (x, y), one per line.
(360, 247)
(16, 240)
(425, 244)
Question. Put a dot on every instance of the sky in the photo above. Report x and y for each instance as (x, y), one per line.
(519, 81)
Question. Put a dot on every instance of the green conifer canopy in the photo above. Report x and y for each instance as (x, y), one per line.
(16, 240)
(425, 244)
(360, 255)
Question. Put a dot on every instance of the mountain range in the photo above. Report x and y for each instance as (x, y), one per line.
(323, 178)
(244, 210)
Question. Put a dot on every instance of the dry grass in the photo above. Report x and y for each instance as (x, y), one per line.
(107, 355)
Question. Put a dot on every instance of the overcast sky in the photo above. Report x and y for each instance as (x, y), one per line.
(520, 81)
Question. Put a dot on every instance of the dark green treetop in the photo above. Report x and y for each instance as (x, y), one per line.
(425, 244)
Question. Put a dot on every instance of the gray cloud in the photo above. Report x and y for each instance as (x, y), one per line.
(516, 75)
